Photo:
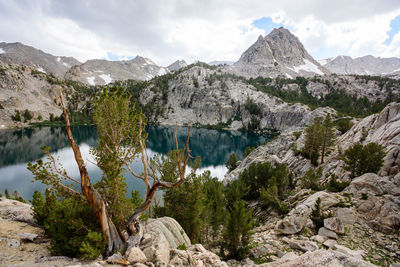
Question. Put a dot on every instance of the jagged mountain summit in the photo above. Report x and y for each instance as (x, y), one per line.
(101, 72)
(17, 53)
(177, 65)
(280, 53)
(366, 65)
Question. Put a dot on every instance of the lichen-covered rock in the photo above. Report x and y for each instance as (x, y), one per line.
(303, 245)
(327, 233)
(334, 224)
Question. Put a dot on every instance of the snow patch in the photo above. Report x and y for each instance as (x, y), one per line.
(106, 77)
(65, 64)
(2, 51)
(287, 75)
(58, 59)
(309, 67)
(91, 80)
(162, 71)
(41, 70)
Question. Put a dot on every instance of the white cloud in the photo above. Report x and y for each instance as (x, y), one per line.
(194, 30)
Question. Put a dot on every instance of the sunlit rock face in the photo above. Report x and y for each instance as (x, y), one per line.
(280, 53)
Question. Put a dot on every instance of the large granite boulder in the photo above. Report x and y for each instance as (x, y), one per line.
(160, 236)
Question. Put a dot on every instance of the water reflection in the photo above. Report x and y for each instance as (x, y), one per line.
(21, 146)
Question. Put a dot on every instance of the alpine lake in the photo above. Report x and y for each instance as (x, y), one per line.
(18, 147)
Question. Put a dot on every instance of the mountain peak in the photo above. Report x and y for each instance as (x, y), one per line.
(279, 53)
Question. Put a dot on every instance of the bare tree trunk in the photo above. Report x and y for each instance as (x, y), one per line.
(109, 230)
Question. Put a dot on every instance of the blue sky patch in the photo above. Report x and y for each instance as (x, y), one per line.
(114, 57)
(394, 28)
(266, 24)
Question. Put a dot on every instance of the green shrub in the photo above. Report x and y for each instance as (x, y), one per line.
(311, 179)
(252, 107)
(336, 186)
(364, 196)
(248, 150)
(182, 246)
(16, 116)
(71, 225)
(27, 115)
(317, 216)
(232, 163)
(343, 125)
(297, 134)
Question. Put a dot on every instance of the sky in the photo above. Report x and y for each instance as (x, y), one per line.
(205, 30)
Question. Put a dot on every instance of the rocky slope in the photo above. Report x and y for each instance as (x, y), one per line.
(17, 53)
(24, 244)
(382, 128)
(23, 88)
(365, 216)
(100, 72)
(280, 53)
(366, 65)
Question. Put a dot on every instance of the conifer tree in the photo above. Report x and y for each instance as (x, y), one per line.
(328, 136)
(237, 234)
(313, 142)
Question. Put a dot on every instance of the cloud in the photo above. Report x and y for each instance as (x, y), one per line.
(195, 30)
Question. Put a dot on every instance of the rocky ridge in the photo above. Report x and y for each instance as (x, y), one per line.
(366, 65)
(280, 53)
(17, 53)
(101, 72)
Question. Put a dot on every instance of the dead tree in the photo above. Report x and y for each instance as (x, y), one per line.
(122, 239)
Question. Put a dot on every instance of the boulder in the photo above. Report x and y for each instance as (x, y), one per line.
(334, 224)
(135, 254)
(297, 218)
(15, 210)
(318, 238)
(27, 236)
(358, 254)
(327, 233)
(160, 236)
(303, 245)
(346, 215)
(330, 243)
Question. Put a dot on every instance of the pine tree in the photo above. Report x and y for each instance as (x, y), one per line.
(313, 142)
(328, 136)
(215, 203)
(237, 233)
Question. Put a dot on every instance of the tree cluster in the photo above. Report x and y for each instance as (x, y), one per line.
(319, 138)
(361, 159)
